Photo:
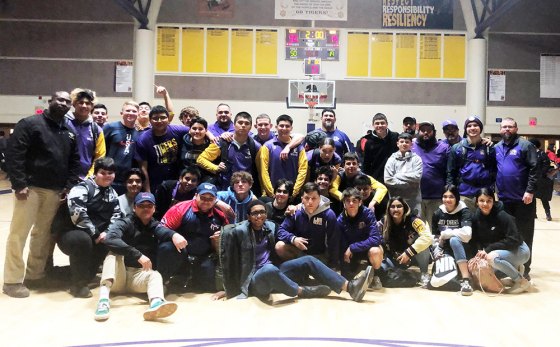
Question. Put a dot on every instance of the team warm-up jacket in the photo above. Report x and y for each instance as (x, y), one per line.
(319, 228)
(517, 169)
(471, 168)
(434, 173)
(360, 233)
(194, 225)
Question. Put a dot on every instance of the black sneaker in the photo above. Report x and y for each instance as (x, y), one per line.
(80, 291)
(15, 290)
(466, 289)
(357, 287)
(320, 291)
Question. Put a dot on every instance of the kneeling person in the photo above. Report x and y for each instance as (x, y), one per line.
(133, 242)
(245, 255)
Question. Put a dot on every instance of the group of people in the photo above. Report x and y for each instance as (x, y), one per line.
(216, 207)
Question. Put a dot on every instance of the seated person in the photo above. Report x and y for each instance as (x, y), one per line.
(451, 225)
(310, 230)
(370, 195)
(234, 200)
(199, 222)
(323, 178)
(173, 191)
(246, 252)
(93, 205)
(323, 156)
(133, 243)
(346, 179)
(497, 240)
(134, 184)
(276, 209)
(406, 238)
(359, 237)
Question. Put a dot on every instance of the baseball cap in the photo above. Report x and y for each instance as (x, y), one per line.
(409, 119)
(448, 122)
(143, 197)
(427, 123)
(204, 188)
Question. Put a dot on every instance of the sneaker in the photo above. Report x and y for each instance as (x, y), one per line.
(424, 280)
(320, 291)
(507, 282)
(520, 286)
(80, 291)
(376, 283)
(160, 309)
(466, 289)
(357, 287)
(15, 290)
(102, 312)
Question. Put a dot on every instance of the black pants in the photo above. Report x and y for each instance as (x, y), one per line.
(525, 221)
(85, 255)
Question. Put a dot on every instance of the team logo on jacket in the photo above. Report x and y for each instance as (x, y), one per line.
(361, 225)
(214, 227)
(318, 221)
(513, 152)
(482, 152)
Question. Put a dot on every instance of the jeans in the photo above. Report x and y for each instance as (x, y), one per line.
(508, 261)
(525, 221)
(285, 278)
(422, 260)
(202, 269)
(458, 248)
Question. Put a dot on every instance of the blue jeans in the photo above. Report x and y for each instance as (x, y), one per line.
(458, 248)
(285, 278)
(201, 269)
(508, 261)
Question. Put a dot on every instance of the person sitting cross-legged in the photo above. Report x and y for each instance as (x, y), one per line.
(246, 253)
(133, 243)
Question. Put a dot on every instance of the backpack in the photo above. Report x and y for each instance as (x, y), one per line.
(483, 276)
(444, 275)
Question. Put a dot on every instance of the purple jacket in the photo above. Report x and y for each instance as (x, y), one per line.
(434, 159)
(360, 233)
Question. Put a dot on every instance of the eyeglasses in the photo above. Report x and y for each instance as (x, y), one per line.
(258, 213)
(282, 191)
(223, 112)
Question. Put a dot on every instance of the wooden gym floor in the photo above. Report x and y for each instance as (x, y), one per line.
(390, 317)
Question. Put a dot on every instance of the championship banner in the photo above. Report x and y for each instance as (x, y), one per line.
(418, 14)
(311, 9)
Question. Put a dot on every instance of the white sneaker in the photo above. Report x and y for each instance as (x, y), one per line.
(466, 289)
(519, 286)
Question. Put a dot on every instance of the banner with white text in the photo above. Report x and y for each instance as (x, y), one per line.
(418, 14)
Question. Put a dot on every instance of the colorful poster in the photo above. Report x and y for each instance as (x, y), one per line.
(311, 9)
(418, 14)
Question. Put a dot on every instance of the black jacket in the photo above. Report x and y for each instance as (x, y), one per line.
(43, 154)
(237, 256)
(376, 152)
(132, 239)
(495, 231)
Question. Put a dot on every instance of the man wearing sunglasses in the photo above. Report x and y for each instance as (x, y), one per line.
(223, 121)
(247, 255)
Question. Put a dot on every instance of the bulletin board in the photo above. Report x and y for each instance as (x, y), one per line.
(216, 50)
(406, 55)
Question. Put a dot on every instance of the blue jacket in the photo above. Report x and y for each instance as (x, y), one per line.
(320, 228)
(517, 169)
(434, 161)
(360, 233)
(471, 168)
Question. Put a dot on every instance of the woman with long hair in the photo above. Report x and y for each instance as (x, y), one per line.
(497, 240)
